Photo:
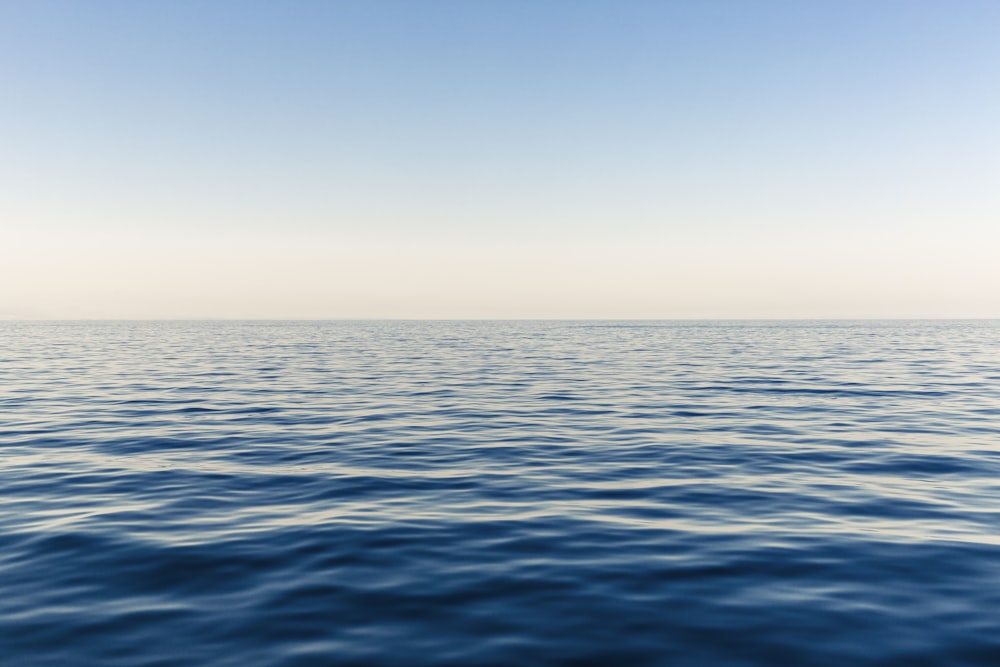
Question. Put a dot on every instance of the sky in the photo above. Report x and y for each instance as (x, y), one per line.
(499, 159)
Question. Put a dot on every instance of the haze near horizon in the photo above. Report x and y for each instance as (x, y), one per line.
(499, 159)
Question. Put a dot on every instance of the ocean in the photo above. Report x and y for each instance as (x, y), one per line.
(251, 494)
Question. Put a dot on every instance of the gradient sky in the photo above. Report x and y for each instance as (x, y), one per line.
(516, 158)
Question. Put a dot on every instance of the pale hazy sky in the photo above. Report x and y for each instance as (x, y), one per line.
(515, 158)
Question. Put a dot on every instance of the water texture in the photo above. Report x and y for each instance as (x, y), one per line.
(492, 493)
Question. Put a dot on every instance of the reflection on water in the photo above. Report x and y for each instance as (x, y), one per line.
(488, 493)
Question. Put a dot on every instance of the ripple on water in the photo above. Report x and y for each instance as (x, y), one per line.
(493, 493)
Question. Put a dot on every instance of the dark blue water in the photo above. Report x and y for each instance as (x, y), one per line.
(483, 493)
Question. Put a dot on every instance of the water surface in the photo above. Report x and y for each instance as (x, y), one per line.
(489, 493)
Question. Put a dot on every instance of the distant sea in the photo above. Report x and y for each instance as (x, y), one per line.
(256, 494)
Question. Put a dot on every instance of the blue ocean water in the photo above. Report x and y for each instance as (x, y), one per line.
(500, 493)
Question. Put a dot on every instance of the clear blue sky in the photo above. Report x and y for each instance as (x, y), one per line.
(499, 159)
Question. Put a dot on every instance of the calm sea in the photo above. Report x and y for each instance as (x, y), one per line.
(500, 493)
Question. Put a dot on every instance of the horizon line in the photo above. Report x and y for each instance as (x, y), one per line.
(506, 319)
